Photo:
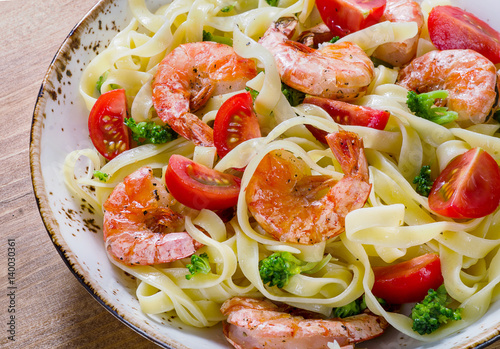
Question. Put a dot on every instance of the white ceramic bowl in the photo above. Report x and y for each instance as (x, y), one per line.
(60, 126)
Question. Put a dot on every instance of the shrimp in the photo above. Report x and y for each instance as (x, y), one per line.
(400, 53)
(139, 224)
(254, 323)
(339, 71)
(288, 203)
(188, 76)
(469, 77)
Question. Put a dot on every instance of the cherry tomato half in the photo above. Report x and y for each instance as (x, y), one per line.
(235, 123)
(469, 187)
(347, 114)
(408, 281)
(198, 187)
(107, 131)
(347, 16)
(451, 27)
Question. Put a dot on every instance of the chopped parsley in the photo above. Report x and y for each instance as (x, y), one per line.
(103, 177)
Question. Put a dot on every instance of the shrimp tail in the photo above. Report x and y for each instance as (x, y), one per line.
(349, 151)
(173, 109)
(286, 25)
(191, 127)
(352, 191)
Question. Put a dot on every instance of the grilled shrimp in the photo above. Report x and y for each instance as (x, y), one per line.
(288, 203)
(339, 71)
(188, 76)
(400, 53)
(139, 224)
(468, 76)
(254, 323)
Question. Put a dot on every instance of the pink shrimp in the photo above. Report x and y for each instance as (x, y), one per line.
(139, 224)
(469, 77)
(339, 71)
(400, 53)
(287, 203)
(253, 323)
(188, 76)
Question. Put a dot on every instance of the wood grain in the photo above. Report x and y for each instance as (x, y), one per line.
(52, 309)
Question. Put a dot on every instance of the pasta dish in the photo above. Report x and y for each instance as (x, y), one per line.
(294, 175)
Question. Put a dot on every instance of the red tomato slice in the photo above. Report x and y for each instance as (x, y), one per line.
(347, 16)
(199, 187)
(235, 123)
(347, 114)
(408, 281)
(453, 28)
(107, 131)
(469, 187)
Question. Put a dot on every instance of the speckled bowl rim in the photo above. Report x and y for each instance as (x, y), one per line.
(51, 225)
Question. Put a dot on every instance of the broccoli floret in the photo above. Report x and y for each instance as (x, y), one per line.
(423, 181)
(354, 308)
(423, 105)
(103, 177)
(199, 264)
(207, 36)
(432, 311)
(293, 96)
(253, 93)
(273, 2)
(278, 268)
(227, 8)
(150, 132)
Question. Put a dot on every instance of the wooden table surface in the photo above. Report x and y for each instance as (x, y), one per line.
(52, 309)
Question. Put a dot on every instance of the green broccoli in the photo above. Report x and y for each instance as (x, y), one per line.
(273, 2)
(150, 132)
(278, 268)
(199, 264)
(227, 8)
(424, 181)
(253, 93)
(354, 308)
(103, 177)
(207, 36)
(432, 311)
(423, 105)
(293, 96)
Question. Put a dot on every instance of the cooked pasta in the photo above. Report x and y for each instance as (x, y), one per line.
(396, 223)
